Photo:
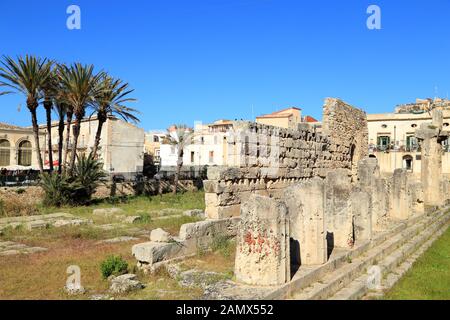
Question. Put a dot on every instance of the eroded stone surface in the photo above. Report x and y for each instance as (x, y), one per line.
(43, 221)
(119, 239)
(306, 204)
(195, 213)
(262, 255)
(8, 248)
(159, 235)
(125, 283)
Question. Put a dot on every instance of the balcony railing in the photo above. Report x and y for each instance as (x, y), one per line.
(394, 148)
(401, 148)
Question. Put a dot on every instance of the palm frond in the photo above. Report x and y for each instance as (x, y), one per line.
(27, 75)
(111, 98)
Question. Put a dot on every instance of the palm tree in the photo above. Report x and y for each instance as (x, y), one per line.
(81, 86)
(49, 90)
(110, 101)
(178, 136)
(64, 110)
(27, 76)
(61, 110)
(69, 117)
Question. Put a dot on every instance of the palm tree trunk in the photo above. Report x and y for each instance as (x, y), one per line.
(60, 141)
(98, 135)
(76, 134)
(66, 148)
(48, 113)
(34, 122)
(177, 172)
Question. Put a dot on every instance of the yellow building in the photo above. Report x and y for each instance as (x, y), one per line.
(152, 145)
(392, 135)
(17, 147)
(286, 118)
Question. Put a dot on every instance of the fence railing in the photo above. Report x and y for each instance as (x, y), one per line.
(13, 179)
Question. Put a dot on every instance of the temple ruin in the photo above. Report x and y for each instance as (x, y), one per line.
(327, 194)
(314, 211)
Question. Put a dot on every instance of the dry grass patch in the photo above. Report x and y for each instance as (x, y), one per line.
(43, 275)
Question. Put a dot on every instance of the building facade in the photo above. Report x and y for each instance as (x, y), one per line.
(152, 145)
(392, 135)
(287, 118)
(207, 147)
(18, 149)
(121, 146)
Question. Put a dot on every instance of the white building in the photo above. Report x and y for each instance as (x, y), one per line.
(121, 146)
(208, 147)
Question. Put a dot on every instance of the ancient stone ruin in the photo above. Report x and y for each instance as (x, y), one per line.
(325, 198)
(300, 155)
(314, 212)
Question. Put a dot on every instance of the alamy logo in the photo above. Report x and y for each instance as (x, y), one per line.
(374, 278)
(74, 20)
(374, 20)
(73, 282)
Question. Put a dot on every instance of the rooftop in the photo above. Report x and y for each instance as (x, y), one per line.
(284, 113)
(4, 125)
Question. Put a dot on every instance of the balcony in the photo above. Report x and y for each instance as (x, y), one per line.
(401, 148)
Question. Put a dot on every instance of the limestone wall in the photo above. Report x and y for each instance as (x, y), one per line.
(321, 215)
(346, 128)
(266, 160)
(344, 209)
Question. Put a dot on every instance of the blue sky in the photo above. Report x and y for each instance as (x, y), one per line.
(204, 60)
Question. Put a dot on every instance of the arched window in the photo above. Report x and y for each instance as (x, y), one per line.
(25, 151)
(408, 162)
(5, 153)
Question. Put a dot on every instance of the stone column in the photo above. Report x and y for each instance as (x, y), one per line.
(416, 194)
(362, 219)
(338, 217)
(369, 180)
(306, 203)
(400, 195)
(430, 136)
(262, 254)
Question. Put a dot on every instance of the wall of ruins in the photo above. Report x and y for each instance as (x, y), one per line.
(325, 214)
(266, 160)
(343, 209)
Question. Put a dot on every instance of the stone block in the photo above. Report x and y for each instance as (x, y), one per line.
(360, 206)
(159, 235)
(305, 203)
(400, 196)
(262, 255)
(338, 218)
(153, 252)
(107, 212)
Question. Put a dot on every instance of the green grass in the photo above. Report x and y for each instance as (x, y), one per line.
(139, 204)
(149, 208)
(429, 278)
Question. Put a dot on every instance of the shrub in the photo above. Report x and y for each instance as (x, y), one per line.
(76, 188)
(87, 173)
(113, 265)
(57, 189)
(145, 218)
(222, 244)
(20, 191)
